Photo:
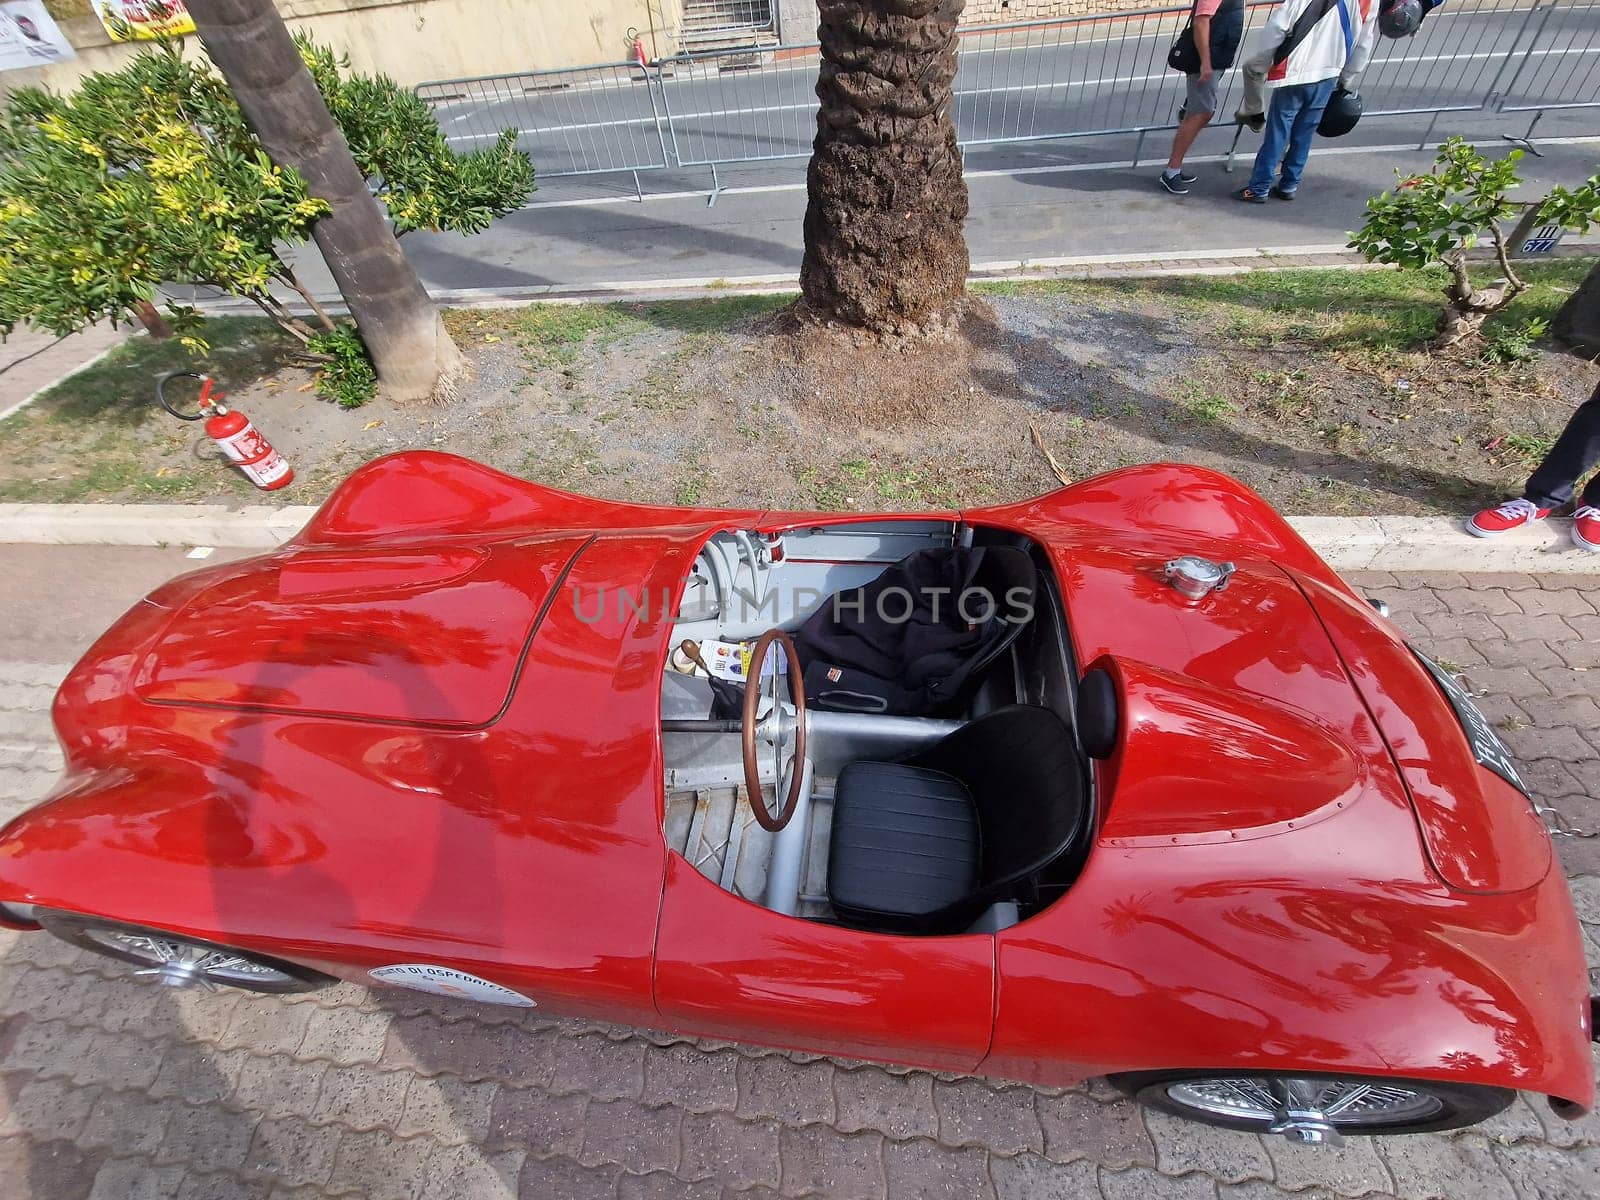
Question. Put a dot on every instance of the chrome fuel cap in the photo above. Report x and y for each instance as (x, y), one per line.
(1196, 577)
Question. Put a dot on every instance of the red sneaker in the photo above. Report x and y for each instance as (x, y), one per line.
(1586, 527)
(1513, 514)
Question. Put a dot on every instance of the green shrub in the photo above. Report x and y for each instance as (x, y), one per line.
(150, 174)
(347, 378)
(1514, 343)
(1434, 219)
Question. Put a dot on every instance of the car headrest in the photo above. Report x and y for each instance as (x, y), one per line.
(1098, 714)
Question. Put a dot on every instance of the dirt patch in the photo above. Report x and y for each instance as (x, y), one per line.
(1303, 384)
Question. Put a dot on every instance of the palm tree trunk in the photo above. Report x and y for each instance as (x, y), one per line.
(1578, 321)
(885, 196)
(250, 45)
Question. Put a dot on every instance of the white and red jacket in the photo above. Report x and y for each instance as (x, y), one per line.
(1321, 55)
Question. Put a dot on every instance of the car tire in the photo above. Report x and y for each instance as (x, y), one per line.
(143, 946)
(1416, 1105)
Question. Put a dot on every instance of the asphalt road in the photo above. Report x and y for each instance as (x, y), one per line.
(1039, 82)
(1031, 200)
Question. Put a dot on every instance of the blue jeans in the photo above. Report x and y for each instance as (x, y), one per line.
(1291, 122)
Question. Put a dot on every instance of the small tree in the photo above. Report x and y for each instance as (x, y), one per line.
(146, 175)
(1434, 219)
(151, 175)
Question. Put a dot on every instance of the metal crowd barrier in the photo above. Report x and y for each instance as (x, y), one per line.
(741, 105)
(1072, 77)
(1558, 69)
(582, 121)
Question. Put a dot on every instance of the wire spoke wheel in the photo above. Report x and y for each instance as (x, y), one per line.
(175, 960)
(177, 963)
(1313, 1108)
(1341, 1101)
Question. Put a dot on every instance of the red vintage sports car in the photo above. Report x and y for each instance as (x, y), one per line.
(1181, 809)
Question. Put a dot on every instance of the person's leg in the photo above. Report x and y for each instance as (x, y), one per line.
(1253, 70)
(1280, 122)
(1314, 99)
(1199, 102)
(1183, 137)
(1575, 454)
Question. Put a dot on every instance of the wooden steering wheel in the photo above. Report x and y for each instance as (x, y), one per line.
(777, 728)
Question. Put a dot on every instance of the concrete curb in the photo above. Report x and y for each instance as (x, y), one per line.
(1348, 543)
(1443, 544)
(1237, 260)
(256, 526)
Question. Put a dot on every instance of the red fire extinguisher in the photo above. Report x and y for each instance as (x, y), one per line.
(639, 56)
(245, 446)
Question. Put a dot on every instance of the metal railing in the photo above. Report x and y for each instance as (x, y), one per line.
(1073, 77)
(582, 121)
(1557, 68)
(721, 108)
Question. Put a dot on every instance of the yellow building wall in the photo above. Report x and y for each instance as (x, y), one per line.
(417, 40)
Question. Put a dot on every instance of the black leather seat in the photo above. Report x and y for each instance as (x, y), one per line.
(926, 844)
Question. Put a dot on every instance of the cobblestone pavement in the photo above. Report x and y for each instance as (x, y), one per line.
(117, 1091)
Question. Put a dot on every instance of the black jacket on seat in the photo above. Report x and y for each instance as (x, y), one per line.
(926, 844)
(916, 640)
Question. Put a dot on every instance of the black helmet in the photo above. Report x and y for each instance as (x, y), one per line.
(1341, 115)
(1399, 18)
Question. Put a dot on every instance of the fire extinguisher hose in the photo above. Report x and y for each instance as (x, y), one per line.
(161, 393)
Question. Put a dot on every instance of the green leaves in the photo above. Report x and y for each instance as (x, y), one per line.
(1426, 217)
(1575, 209)
(348, 378)
(398, 145)
(145, 175)
(150, 174)
(1433, 219)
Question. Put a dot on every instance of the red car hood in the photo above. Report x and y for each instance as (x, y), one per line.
(428, 635)
(1239, 718)
(1276, 703)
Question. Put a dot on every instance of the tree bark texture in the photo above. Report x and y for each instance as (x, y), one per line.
(885, 196)
(150, 317)
(248, 42)
(1578, 321)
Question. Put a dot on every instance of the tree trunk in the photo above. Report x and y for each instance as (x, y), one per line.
(1457, 323)
(152, 320)
(1578, 321)
(250, 45)
(885, 196)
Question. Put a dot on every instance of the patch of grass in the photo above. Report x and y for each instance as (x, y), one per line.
(100, 435)
(1286, 393)
(1386, 310)
(121, 387)
(1507, 344)
(1203, 406)
(860, 482)
(553, 335)
(1529, 447)
(709, 316)
(549, 335)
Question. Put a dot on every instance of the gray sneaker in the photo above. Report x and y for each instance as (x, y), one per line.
(1174, 182)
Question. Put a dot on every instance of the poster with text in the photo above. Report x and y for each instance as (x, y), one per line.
(144, 20)
(29, 36)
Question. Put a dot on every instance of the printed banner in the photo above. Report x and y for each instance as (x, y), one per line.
(144, 20)
(29, 36)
